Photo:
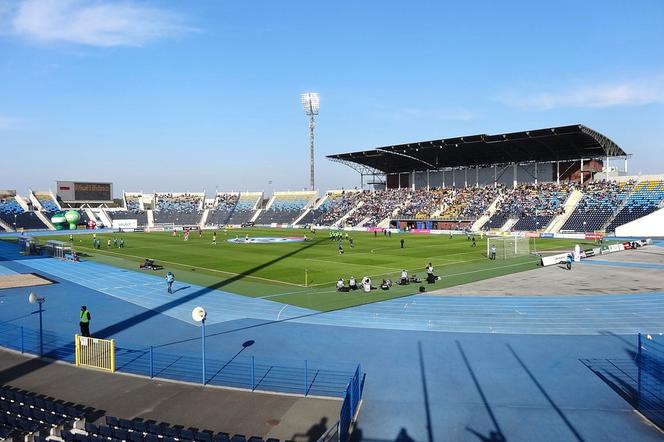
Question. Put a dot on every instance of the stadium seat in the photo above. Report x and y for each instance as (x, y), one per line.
(151, 438)
(221, 437)
(91, 428)
(112, 421)
(204, 436)
(136, 436)
(139, 425)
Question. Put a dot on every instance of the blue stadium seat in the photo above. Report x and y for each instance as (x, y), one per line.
(136, 436)
(204, 436)
(187, 434)
(120, 433)
(125, 423)
(105, 431)
(141, 426)
(151, 438)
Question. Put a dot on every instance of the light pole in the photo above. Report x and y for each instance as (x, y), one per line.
(311, 104)
(32, 298)
(199, 314)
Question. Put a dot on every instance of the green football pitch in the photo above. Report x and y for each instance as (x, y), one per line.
(305, 273)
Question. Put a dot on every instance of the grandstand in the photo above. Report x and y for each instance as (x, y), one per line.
(133, 209)
(245, 208)
(336, 205)
(178, 208)
(285, 207)
(645, 198)
(46, 201)
(602, 205)
(222, 208)
(600, 201)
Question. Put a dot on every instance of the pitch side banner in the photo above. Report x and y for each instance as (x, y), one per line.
(125, 224)
(554, 259)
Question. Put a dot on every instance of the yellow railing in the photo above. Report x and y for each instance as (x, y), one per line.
(95, 353)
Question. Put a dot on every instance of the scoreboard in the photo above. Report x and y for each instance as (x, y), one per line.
(76, 191)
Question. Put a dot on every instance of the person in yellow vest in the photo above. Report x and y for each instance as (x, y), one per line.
(85, 321)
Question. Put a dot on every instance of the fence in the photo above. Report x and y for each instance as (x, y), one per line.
(351, 404)
(247, 372)
(95, 353)
(650, 362)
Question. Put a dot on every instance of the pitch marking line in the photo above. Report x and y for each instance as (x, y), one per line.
(352, 264)
(198, 267)
(451, 274)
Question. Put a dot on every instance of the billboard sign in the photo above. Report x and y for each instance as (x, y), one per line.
(76, 191)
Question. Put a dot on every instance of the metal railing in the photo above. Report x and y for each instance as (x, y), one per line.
(650, 363)
(252, 373)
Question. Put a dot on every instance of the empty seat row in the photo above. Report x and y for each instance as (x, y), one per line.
(19, 398)
(138, 430)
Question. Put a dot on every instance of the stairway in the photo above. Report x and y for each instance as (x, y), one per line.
(104, 218)
(622, 204)
(91, 214)
(6, 226)
(297, 220)
(570, 204)
(479, 223)
(150, 216)
(21, 202)
(255, 216)
(343, 218)
(45, 220)
(509, 224)
(204, 218)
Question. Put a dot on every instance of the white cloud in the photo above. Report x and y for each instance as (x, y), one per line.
(90, 22)
(629, 93)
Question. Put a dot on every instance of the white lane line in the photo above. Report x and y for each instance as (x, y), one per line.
(282, 309)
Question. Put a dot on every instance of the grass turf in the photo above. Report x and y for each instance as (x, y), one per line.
(277, 271)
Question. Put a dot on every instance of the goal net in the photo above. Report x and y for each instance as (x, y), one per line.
(507, 247)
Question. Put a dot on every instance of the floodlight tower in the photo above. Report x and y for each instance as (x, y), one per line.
(311, 104)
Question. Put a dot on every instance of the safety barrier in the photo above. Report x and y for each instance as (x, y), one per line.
(650, 362)
(350, 405)
(95, 353)
(306, 378)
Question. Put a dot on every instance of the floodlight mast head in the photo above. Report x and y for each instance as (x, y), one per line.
(310, 103)
(32, 298)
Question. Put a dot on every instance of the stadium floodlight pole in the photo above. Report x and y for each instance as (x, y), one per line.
(311, 104)
(32, 298)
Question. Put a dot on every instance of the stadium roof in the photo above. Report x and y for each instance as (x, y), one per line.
(565, 143)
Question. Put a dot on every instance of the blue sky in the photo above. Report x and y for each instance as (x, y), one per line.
(171, 95)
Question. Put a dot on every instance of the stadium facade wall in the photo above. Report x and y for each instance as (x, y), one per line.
(650, 225)
(485, 176)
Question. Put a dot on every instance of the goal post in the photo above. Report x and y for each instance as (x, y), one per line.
(507, 247)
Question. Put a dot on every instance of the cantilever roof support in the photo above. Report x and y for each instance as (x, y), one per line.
(407, 156)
